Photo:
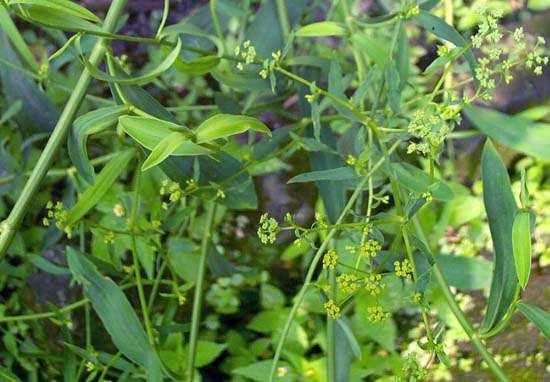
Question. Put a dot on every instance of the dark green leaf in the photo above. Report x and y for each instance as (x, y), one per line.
(418, 181)
(501, 209)
(117, 315)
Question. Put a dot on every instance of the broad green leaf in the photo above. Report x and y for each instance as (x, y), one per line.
(84, 126)
(377, 50)
(501, 209)
(516, 132)
(63, 20)
(207, 352)
(224, 125)
(116, 314)
(101, 185)
(8, 26)
(339, 173)
(321, 29)
(62, 6)
(537, 316)
(139, 80)
(418, 181)
(169, 145)
(47, 266)
(352, 341)
(441, 29)
(521, 242)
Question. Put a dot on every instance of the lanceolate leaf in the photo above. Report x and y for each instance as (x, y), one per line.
(518, 133)
(339, 173)
(101, 186)
(16, 39)
(57, 19)
(84, 126)
(116, 314)
(418, 181)
(323, 28)
(537, 316)
(521, 241)
(501, 209)
(139, 80)
(224, 125)
(148, 132)
(62, 6)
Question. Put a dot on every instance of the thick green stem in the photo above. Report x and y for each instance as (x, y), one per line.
(283, 17)
(9, 226)
(197, 299)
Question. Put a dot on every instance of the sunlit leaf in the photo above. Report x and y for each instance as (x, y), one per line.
(537, 316)
(225, 125)
(521, 242)
(321, 29)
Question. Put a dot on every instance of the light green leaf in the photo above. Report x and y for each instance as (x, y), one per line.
(207, 352)
(197, 66)
(139, 80)
(521, 242)
(101, 185)
(259, 371)
(84, 126)
(61, 6)
(224, 125)
(321, 29)
(164, 148)
(57, 19)
(501, 209)
(418, 181)
(116, 313)
(537, 316)
(147, 131)
(339, 173)
(518, 133)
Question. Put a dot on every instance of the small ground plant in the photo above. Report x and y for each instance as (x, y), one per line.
(136, 200)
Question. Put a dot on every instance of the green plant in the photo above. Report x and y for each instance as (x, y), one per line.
(161, 215)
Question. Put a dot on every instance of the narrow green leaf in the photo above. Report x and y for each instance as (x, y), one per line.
(164, 149)
(521, 241)
(352, 341)
(241, 81)
(501, 209)
(84, 126)
(101, 186)
(321, 29)
(224, 125)
(418, 181)
(62, 6)
(340, 173)
(16, 39)
(537, 316)
(197, 66)
(139, 80)
(116, 313)
(518, 133)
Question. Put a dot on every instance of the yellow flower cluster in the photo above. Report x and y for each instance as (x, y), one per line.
(109, 238)
(373, 284)
(330, 259)
(332, 309)
(427, 196)
(403, 269)
(60, 215)
(247, 52)
(349, 282)
(377, 314)
(370, 248)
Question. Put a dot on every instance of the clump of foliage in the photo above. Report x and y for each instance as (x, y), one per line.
(151, 219)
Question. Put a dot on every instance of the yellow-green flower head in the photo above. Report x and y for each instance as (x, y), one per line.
(332, 309)
(373, 284)
(403, 269)
(377, 314)
(370, 248)
(268, 229)
(348, 282)
(330, 259)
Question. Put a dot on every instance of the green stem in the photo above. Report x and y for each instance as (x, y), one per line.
(10, 226)
(311, 270)
(216, 21)
(165, 12)
(197, 299)
(283, 17)
(137, 269)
